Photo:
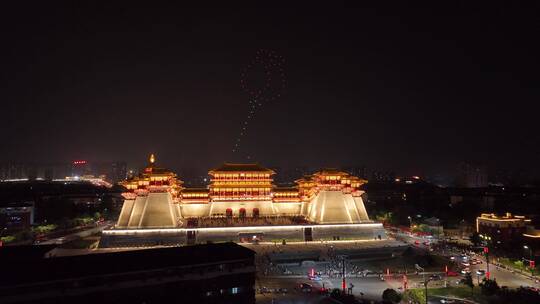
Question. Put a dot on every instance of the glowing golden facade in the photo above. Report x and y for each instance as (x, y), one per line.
(240, 182)
(243, 191)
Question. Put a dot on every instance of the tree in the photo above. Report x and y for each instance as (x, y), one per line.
(468, 281)
(489, 287)
(519, 264)
(425, 260)
(7, 238)
(391, 296)
(422, 228)
(475, 239)
(336, 292)
(387, 218)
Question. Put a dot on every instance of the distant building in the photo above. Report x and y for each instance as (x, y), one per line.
(118, 171)
(213, 273)
(383, 176)
(472, 176)
(112, 171)
(54, 200)
(16, 216)
(502, 230)
(359, 171)
(80, 168)
(402, 190)
(531, 241)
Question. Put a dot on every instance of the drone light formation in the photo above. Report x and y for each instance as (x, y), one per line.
(263, 80)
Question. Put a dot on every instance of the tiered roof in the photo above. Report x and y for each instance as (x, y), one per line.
(231, 167)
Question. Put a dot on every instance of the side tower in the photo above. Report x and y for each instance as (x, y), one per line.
(150, 200)
(331, 196)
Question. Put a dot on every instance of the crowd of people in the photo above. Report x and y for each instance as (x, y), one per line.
(334, 268)
(229, 221)
(332, 263)
(264, 262)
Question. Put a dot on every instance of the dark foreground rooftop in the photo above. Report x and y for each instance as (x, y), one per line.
(36, 268)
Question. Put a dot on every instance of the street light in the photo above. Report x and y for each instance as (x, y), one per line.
(424, 277)
(410, 222)
(343, 273)
(530, 258)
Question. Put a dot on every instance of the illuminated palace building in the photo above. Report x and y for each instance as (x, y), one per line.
(241, 203)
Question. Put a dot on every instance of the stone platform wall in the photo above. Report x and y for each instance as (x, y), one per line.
(157, 237)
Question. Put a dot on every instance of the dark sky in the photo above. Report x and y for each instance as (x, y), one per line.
(410, 88)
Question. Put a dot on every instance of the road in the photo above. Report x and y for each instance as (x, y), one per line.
(292, 296)
(77, 235)
(370, 287)
(504, 277)
(437, 300)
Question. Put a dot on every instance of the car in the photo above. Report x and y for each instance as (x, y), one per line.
(323, 291)
(416, 242)
(531, 288)
(305, 287)
(314, 277)
(465, 270)
(447, 301)
(452, 258)
(481, 272)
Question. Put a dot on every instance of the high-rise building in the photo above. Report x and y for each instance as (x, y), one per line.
(472, 176)
(80, 168)
(118, 171)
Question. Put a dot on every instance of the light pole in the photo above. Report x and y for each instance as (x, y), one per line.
(530, 258)
(424, 277)
(343, 273)
(487, 240)
(410, 223)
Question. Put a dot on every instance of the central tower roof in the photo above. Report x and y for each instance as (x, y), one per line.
(232, 167)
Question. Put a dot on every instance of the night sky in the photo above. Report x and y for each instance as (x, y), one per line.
(408, 88)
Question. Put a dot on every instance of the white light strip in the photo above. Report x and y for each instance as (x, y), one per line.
(176, 230)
